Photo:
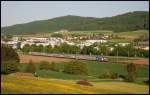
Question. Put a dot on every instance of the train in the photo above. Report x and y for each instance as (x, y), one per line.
(101, 59)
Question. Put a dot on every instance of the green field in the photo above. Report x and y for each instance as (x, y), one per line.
(95, 69)
(34, 85)
(92, 32)
(48, 34)
(134, 34)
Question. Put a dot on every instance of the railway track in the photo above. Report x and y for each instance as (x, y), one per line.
(69, 56)
(89, 58)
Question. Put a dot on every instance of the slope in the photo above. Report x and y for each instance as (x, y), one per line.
(31, 85)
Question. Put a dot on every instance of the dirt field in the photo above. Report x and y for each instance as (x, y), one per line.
(27, 58)
(22, 74)
(139, 61)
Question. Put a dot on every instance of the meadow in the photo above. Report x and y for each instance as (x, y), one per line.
(36, 85)
(133, 34)
(94, 69)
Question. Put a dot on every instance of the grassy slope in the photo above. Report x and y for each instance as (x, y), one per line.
(127, 35)
(133, 34)
(95, 69)
(13, 84)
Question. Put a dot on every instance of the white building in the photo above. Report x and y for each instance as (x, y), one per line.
(15, 38)
(99, 41)
(111, 48)
(123, 44)
(12, 43)
(2, 42)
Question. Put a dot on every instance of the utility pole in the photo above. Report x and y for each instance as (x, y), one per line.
(128, 50)
(135, 49)
(117, 54)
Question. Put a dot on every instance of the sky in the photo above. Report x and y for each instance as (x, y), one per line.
(17, 12)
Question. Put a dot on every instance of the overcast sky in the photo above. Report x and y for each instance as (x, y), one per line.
(16, 12)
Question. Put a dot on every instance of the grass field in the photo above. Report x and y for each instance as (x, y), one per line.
(92, 32)
(48, 34)
(34, 85)
(95, 69)
(133, 34)
(129, 34)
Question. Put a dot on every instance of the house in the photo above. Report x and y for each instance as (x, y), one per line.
(2, 42)
(142, 47)
(64, 30)
(123, 44)
(13, 44)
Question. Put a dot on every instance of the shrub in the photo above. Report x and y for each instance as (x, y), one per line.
(106, 75)
(9, 60)
(131, 69)
(44, 65)
(109, 75)
(76, 67)
(30, 67)
(146, 82)
(7, 53)
(114, 76)
(84, 82)
(122, 76)
(53, 67)
(8, 67)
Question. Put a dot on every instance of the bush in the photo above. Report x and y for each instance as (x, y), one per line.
(44, 65)
(105, 75)
(7, 53)
(84, 82)
(122, 76)
(109, 75)
(9, 60)
(131, 76)
(76, 67)
(146, 82)
(114, 76)
(8, 67)
(30, 67)
(53, 67)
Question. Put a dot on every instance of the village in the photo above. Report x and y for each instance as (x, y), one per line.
(82, 41)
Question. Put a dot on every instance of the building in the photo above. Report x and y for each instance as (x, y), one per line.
(123, 44)
(63, 30)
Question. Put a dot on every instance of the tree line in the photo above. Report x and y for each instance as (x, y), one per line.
(64, 48)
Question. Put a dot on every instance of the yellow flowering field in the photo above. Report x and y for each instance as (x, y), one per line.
(31, 85)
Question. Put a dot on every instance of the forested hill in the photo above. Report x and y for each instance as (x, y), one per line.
(124, 22)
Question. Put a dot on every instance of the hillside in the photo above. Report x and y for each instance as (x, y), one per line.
(25, 84)
(124, 22)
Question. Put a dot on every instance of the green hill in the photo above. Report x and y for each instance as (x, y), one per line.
(125, 22)
(35, 85)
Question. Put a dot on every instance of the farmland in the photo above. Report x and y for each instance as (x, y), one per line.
(27, 58)
(127, 36)
(22, 84)
(95, 68)
(133, 34)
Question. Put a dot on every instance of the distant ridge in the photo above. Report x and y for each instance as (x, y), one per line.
(124, 22)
